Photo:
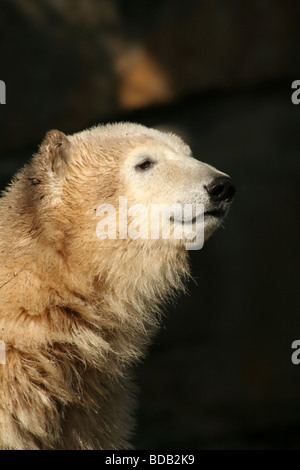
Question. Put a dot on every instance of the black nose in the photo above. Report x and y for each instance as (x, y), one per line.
(221, 189)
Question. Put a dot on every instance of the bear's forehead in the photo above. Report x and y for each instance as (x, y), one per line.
(130, 135)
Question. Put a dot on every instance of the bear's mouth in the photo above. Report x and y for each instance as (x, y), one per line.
(215, 213)
(186, 221)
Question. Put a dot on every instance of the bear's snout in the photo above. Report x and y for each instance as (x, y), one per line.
(221, 189)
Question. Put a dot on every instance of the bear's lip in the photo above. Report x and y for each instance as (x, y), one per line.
(215, 213)
(218, 213)
(191, 221)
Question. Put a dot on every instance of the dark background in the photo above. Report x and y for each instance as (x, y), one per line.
(219, 73)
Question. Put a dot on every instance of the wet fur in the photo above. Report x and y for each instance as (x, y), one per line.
(75, 313)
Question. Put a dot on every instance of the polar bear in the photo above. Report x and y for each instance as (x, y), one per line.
(77, 310)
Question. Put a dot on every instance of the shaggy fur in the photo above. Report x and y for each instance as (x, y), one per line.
(77, 312)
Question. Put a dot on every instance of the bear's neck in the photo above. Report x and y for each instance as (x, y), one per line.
(126, 295)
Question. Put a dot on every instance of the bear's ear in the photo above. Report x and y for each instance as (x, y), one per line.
(56, 147)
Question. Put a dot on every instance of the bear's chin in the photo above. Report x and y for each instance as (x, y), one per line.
(211, 224)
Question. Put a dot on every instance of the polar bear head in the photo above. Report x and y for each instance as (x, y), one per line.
(118, 167)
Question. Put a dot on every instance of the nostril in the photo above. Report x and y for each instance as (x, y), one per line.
(221, 188)
(217, 190)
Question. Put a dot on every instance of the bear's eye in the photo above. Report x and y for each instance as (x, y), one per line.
(145, 165)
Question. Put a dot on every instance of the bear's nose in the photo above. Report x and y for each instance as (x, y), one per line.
(221, 189)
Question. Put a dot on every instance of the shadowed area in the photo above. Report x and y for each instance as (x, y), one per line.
(219, 375)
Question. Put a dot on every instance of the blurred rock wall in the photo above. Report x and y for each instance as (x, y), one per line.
(72, 63)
